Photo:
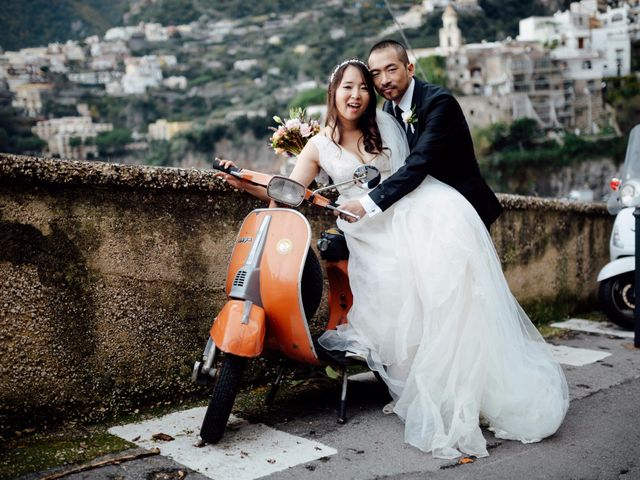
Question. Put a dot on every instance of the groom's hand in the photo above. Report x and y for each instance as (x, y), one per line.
(352, 206)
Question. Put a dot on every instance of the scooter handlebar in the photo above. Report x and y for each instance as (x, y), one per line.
(216, 165)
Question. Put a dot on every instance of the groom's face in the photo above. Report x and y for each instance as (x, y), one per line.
(390, 75)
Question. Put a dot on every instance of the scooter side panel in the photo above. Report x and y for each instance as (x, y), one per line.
(340, 296)
(281, 267)
(280, 285)
(231, 335)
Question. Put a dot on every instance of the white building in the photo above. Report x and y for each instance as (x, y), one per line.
(140, 74)
(58, 132)
(450, 34)
(175, 82)
(95, 78)
(116, 47)
(121, 33)
(104, 62)
(245, 65)
(591, 43)
(155, 32)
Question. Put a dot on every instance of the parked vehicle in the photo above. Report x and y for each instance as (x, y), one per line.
(616, 292)
(274, 287)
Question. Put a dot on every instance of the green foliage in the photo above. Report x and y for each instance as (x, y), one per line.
(15, 133)
(204, 140)
(499, 19)
(113, 142)
(54, 109)
(159, 154)
(623, 93)
(510, 156)
(635, 55)
(75, 141)
(38, 22)
(316, 96)
(30, 144)
(435, 69)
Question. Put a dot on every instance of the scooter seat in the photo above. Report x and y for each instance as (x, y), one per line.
(332, 245)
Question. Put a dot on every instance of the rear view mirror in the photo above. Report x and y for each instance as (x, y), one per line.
(366, 176)
(286, 191)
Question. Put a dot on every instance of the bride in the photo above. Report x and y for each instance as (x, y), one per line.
(432, 311)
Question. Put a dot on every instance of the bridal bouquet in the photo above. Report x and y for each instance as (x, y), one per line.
(293, 133)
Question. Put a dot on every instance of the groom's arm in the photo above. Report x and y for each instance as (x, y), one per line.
(432, 147)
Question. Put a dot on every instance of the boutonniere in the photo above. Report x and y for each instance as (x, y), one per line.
(410, 118)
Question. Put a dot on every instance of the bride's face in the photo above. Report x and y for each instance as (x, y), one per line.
(352, 95)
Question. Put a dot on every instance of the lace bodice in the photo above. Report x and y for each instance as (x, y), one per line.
(339, 164)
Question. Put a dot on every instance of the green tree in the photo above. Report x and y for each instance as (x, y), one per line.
(315, 96)
(113, 142)
(435, 69)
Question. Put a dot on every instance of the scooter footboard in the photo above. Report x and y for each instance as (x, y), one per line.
(240, 328)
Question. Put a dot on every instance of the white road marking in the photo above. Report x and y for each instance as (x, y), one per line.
(576, 356)
(246, 452)
(604, 328)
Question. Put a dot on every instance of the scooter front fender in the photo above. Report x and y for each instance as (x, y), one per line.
(617, 267)
(240, 328)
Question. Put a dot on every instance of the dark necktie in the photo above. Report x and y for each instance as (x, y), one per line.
(398, 111)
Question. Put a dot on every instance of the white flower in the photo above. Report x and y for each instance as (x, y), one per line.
(409, 117)
(292, 123)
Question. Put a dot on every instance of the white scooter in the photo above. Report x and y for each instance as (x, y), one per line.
(617, 286)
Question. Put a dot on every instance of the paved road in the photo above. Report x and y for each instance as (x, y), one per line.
(600, 438)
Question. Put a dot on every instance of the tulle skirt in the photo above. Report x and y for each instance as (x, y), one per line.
(433, 314)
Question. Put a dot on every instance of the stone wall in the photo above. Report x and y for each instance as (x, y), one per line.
(110, 276)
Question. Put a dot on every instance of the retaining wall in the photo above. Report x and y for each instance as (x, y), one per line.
(110, 276)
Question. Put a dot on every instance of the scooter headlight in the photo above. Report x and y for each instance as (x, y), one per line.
(630, 193)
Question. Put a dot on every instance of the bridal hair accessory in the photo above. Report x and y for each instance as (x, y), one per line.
(346, 62)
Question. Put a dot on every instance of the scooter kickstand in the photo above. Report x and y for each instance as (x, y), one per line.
(342, 416)
(271, 395)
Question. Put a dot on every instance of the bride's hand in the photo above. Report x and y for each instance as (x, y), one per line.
(235, 182)
(351, 206)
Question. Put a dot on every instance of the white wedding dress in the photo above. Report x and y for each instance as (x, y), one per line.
(433, 314)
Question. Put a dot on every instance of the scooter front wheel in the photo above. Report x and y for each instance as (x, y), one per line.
(224, 394)
(617, 299)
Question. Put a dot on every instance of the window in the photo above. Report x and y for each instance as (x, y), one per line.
(586, 65)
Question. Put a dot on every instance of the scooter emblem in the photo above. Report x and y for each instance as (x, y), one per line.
(284, 246)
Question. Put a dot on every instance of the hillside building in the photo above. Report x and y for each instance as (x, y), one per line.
(28, 97)
(592, 44)
(164, 130)
(59, 132)
(450, 34)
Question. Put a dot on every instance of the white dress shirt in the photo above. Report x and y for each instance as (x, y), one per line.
(405, 104)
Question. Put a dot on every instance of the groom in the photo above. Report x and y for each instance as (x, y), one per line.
(437, 133)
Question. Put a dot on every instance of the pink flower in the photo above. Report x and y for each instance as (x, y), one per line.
(279, 133)
(305, 130)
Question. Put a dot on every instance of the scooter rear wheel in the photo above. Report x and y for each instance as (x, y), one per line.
(617, 299)
(222, 398)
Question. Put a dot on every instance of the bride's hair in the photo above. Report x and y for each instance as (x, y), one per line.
(367, 122)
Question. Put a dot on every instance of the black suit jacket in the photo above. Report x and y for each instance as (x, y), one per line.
(440, 146)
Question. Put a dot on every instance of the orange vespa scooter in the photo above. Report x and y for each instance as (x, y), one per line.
(274, 286)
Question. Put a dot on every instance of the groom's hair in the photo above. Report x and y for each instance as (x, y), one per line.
(397, 46)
